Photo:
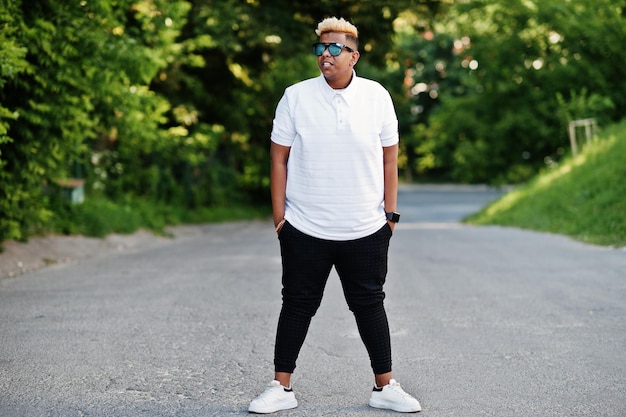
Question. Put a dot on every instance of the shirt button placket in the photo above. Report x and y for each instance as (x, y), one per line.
(340, 110)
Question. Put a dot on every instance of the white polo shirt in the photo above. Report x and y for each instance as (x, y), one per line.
(335, 180)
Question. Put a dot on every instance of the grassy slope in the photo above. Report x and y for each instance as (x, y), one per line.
(584, 197)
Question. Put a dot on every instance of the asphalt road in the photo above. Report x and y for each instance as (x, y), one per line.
(485, 321)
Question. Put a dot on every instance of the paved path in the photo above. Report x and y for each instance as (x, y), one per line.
(485, 322)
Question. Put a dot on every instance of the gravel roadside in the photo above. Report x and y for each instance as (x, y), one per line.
(18, 258)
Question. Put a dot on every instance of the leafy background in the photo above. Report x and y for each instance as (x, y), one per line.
(164, 108)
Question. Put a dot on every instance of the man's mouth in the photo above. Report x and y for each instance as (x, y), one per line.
(327, 64)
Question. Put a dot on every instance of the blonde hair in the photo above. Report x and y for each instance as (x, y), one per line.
(332, 24)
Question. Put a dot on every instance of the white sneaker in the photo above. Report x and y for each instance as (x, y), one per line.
(393, 397)
(274, 398)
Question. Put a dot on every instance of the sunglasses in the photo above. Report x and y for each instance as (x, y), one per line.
(333, 48)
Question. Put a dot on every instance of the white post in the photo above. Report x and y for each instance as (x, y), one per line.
(572, 138)
(590, 130)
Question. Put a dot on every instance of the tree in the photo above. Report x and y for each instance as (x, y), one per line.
(239, 57)
(12, 64)
(522, 61)
(170, 101)
(82, 84)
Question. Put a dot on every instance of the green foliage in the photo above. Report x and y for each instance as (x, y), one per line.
(170, 102)
(167, 101)
(583, 197)
(238, 57)
(83, 89)
(516, 73)
(584, 105)
(12, 64)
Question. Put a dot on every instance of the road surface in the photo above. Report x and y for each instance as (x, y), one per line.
(485, 321)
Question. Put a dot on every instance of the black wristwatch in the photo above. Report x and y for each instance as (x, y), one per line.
(393, 216)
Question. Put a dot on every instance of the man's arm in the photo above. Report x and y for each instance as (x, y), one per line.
(390, 167)
(278, 181)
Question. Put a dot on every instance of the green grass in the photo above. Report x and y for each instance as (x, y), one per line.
(98, 217)
(583, 197)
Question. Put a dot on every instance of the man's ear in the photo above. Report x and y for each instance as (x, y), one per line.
(355, 58)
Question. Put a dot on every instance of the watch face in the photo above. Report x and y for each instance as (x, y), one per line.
(393, 217)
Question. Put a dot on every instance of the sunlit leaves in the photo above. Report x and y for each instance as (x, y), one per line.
(526, 63)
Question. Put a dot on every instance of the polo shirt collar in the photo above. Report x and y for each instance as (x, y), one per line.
(347, 93)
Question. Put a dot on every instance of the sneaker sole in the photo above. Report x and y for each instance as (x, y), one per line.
(285, 405)
(395, 407)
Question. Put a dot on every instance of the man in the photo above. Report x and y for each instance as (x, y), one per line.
(334, 181)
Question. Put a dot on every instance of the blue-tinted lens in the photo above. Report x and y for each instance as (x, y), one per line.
(333, 48)
(319, 48)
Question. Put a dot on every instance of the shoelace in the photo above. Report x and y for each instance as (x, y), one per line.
(270, 390)
(397, 388)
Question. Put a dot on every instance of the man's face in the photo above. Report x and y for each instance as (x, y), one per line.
(337, 68)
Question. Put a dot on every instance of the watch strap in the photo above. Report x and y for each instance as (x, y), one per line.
(392, 216)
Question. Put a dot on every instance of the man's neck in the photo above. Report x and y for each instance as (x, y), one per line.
(340, 85)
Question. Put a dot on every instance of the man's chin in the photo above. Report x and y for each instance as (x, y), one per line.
(328, 72)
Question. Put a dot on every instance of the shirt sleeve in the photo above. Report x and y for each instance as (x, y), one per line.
(389, 134)
(283, 129)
